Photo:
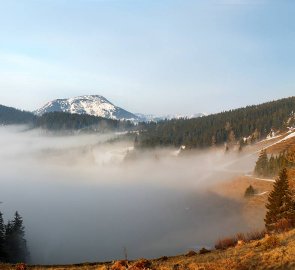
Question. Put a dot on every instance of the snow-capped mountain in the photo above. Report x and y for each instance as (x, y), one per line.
(154, 118)
(90, 104)
(99, 106)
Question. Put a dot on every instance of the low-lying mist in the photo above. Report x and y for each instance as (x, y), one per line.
(85, 199)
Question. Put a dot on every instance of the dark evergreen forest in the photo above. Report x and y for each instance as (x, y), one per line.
(252, 122)
(66, 121)
(12, 116)
(60, 121)
(13, 245)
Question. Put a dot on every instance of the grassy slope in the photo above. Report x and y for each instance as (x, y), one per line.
(255, 255)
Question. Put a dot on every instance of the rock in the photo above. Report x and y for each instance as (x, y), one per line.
(204, 251)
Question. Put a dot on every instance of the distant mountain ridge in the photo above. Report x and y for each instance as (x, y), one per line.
(154, 118)
(95, 105)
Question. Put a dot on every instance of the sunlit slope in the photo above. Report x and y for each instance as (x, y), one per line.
(277, 253)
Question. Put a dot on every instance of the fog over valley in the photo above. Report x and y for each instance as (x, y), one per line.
(85, 198)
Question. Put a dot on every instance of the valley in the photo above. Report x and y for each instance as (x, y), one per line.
(172, 200)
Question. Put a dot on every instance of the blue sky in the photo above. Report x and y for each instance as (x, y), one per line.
(149, 56)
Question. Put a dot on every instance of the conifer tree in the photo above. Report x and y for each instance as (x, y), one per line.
(9, 241)
(15, 240)
(2, 239)
(271, 166)
(250, 191)
(261, 167)
(280, 205)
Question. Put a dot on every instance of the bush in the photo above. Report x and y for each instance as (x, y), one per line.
(191, 253)
(20, 266)
(120, 265)
(204, 251)
(283, 225)
(226, 243)
(239, 237)
(250, 191)
(255, 235)
(141, 265)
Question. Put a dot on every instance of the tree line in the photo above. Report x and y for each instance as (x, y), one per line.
(270, 166)
(244, 125)
(61, 121)
(12, 116)
(13, 245)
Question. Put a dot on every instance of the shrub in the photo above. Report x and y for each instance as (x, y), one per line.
(20, 266)
(204, 251)
(191, 253)
(255, 235)
(283, 225)
(250, 191)
(239, 238)
(120, 265)
(141, 265)
(226, 243)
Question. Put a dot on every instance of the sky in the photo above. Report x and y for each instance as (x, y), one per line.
(148, 56)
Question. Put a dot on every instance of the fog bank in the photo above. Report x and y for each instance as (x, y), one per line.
(82, 200)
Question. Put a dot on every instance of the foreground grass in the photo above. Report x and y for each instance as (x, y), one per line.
(274, 252)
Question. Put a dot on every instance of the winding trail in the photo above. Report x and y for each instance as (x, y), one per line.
(261, 179)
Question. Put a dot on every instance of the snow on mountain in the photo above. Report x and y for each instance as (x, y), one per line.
(150, 117)
(90, 104)
(99, 106)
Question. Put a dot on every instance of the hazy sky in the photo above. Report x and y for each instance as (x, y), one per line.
(149, 56)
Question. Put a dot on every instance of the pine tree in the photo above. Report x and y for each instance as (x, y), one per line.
(271, 166)
(250, 191)
(2, 239)
(15, 240)
(261, 167)
(9, 240)
(280, 206)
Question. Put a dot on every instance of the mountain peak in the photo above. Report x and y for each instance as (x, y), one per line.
(95, 105)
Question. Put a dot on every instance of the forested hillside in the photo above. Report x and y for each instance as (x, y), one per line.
(60, 121)
(252, 122)
(66, 121)
(9, 116)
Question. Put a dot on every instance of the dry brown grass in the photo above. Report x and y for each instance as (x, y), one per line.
(271, 241)
(239, 239)
(253, 208)
(235, 188)
(271, 252)
(282, 146)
